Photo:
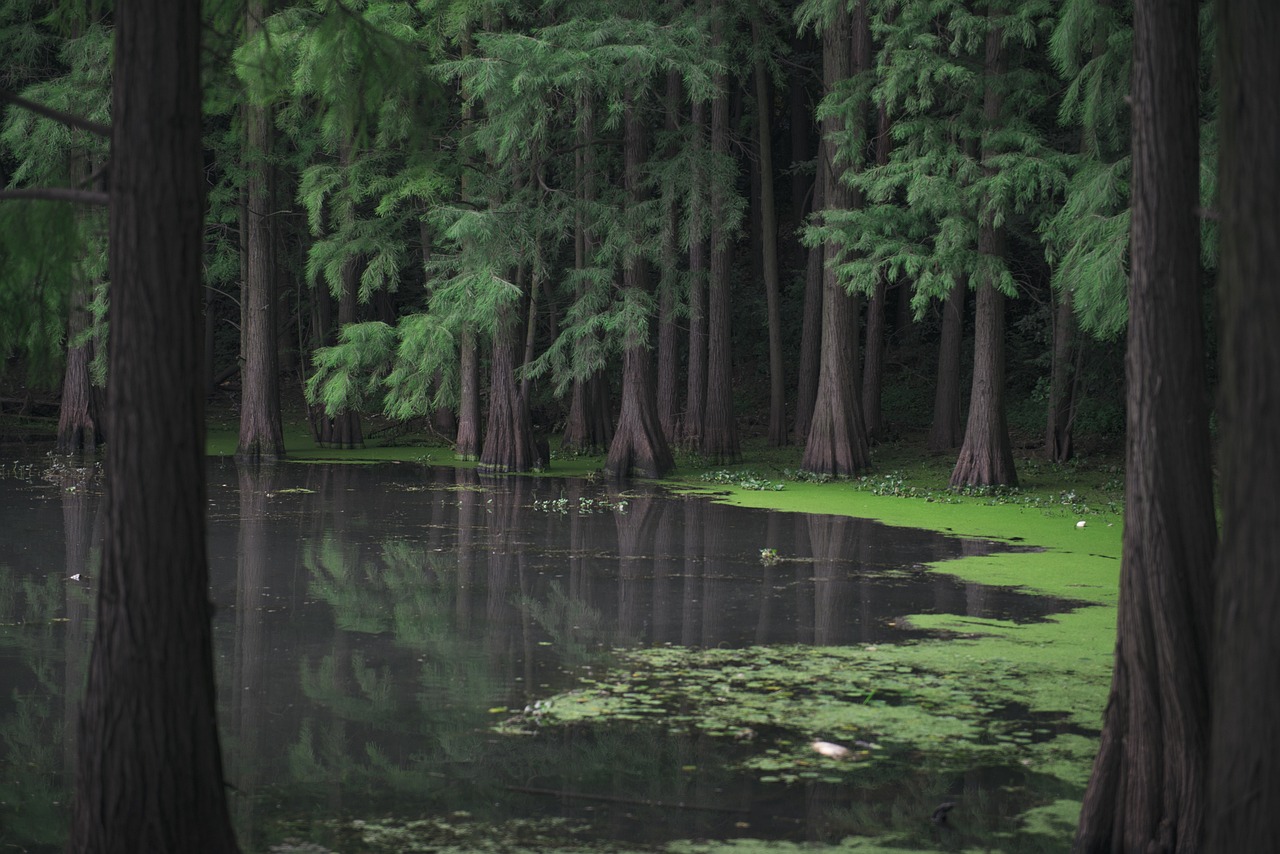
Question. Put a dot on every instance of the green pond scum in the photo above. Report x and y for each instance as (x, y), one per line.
(1012, 708)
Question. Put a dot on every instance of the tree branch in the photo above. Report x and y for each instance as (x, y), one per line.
(57, 115)
(57, 194)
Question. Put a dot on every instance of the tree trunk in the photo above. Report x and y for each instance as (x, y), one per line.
(837, 444)
(986, 457)
(769, 248)
(467, 444)
(695, 405)
(638, 445)
(719, 427)
(78, 419)
(945, 434)
(1062, 382)
(150, 776)
(1244, 780)
(811, 324)
(1147, 791)
(669, 282)
(261, 433)
(508, 436)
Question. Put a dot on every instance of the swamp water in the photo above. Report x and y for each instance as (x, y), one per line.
(416, 658)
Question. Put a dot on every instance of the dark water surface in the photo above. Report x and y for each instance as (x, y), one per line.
(374, 622)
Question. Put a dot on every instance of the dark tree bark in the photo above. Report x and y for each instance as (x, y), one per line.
(837, 444)
(79, 422)
(467, 444)
(589, 426)
(945, 433)
(719, 426)
(769, 252)
(1062, 382)
(695, 405)
(1244, 779)
(986, 457)
(638, 445)
(1147, 792)
(508, 437)
(78, 418)
(668, 349)
(150, 770)
(261, 433)
(811, 323)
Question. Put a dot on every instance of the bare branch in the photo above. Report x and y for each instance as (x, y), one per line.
(57, 194)
(57, 115)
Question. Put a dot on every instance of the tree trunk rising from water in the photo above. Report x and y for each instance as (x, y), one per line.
(1147, 792)
(150, 776)
(261, 434)
(1244, 778)
(508, 437)
(719, 427)
(836, 442)
(638, 445)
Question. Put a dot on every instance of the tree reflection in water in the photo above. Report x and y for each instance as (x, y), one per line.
(375, 623)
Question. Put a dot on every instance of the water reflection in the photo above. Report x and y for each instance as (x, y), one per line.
(374, 622)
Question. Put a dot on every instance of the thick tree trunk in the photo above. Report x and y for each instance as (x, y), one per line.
(1244, 779)
(986, 457)
(78, 419)
(467, 444)
(79, 422)
(1062, 382)
(837, 444)
(810, 325)
(669, 283)
(638, 446)
(695, 405)
(945, 433)
(261, 433)
(508, 437)
(589, 426)
(1147, 792)
(719, 426)
(769, 248)
(150, 769)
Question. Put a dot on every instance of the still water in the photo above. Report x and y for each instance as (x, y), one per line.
(374, 623)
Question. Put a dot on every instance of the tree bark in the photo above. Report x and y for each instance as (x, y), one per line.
(467, 444)
(78, 418)
(1147, 792)
(837, 444)
(261, 433)
(1244, 780)
(719, 426)
(638, 446)
(811, 323)
(508, 437)
(986, 457)
(769, 248)
(695, 406)
(945, 433)
(1062, 382)
(668, 283)
(149, 776)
